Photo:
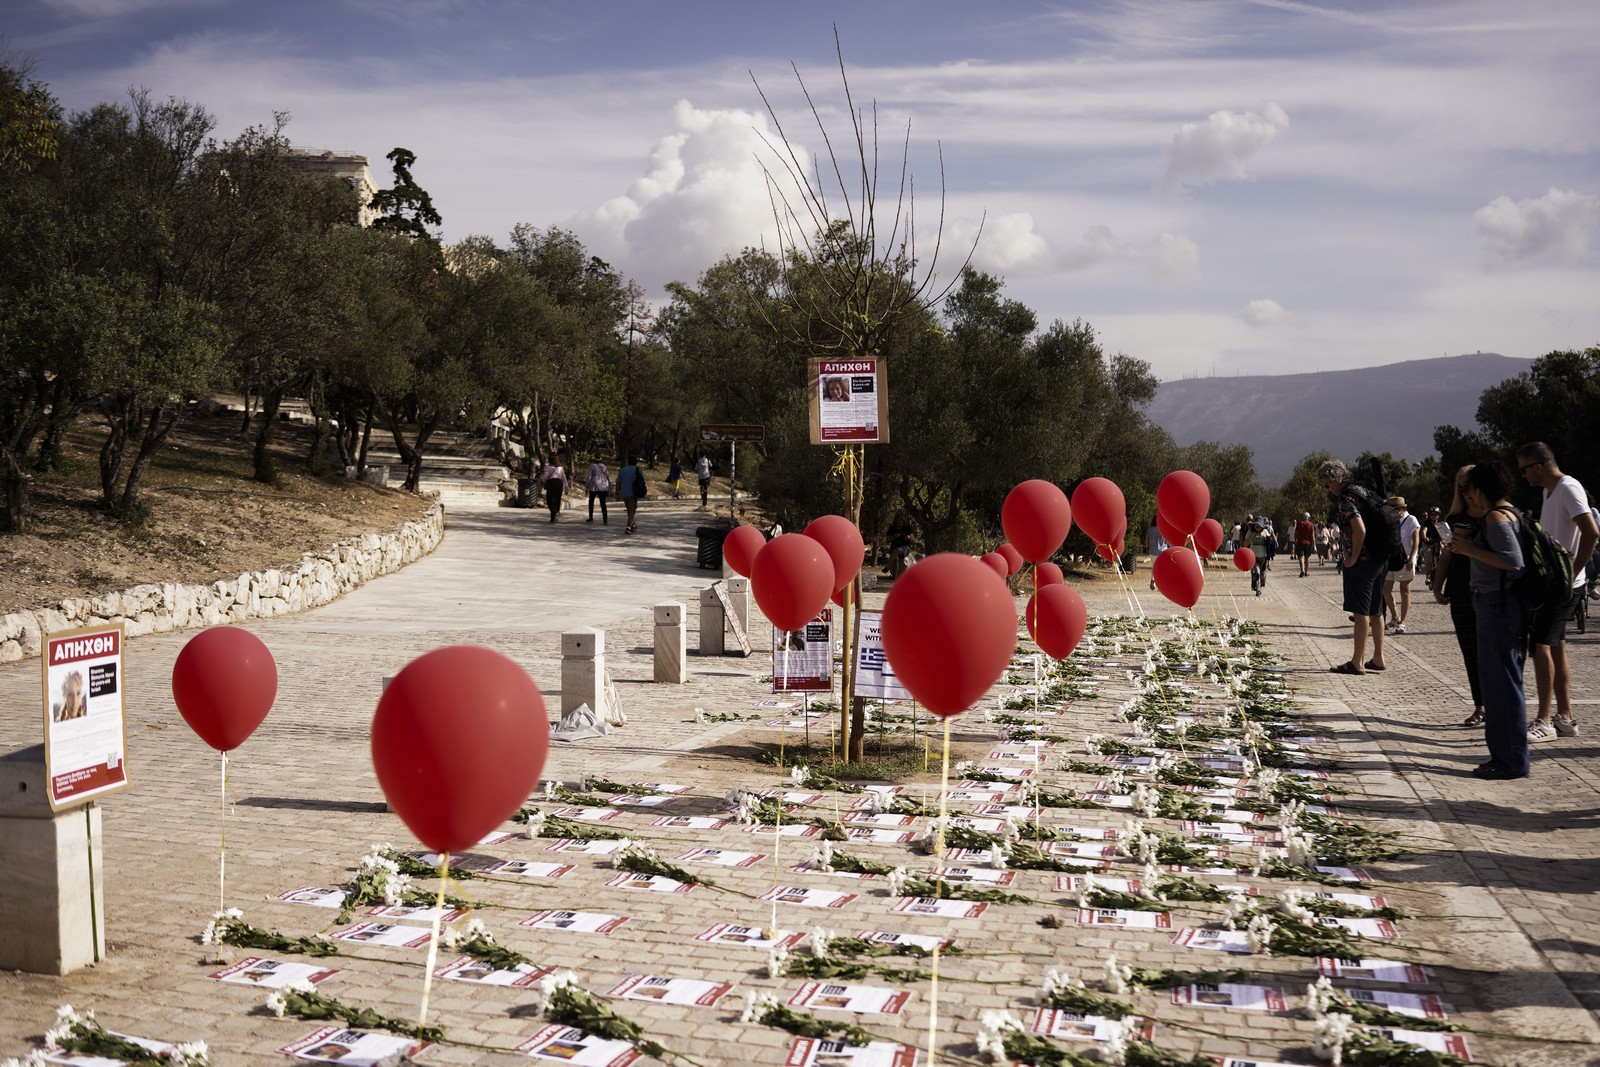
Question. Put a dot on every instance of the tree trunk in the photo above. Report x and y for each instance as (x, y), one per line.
(156, 431)
(121, 418)
(366, 442)
(15, 517)
(266, 471)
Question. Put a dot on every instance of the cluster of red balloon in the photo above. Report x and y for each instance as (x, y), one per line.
(793, 576)
(1182, 500)
(1037, 516)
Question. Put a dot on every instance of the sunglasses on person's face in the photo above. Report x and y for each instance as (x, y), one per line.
(1528, 466)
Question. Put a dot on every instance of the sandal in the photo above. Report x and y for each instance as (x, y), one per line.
(1373, 666)
(1345, 668)
(1475, 719)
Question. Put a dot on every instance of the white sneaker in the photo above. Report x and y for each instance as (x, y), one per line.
(1399, 628)
(1541, 731)
(1566, 727)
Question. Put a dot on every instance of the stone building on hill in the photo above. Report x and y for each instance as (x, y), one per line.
(352, 169)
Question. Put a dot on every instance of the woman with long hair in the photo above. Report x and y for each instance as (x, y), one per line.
(1496, 555)
(1452, 585)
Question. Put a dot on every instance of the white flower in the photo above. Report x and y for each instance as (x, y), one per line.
(699, 714)
(992, 1028)
(1290, 904)
(550, 789)
(1115, 1049)
(997, 858)
(1259, 934)
(1091, 744)
(395, 888)
(1237, 909)
(777, 956)
(535, 825)
(822, 858)
(1289, 815)
(1333, 1030)
(756, 1006)
(1057, 978)
(878, 800)
(34, 1058)
(897, 881)
(962, 766)
(277, 1003)
(1117, 975)
(798, 774)
(1319, 995)
(820, 940)
(551, 984)
(1266, 858)
(1299, 845)
(191, 1054)
(1116, 781)
(1145, 801)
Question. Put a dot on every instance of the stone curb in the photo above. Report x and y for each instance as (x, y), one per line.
(319, 578)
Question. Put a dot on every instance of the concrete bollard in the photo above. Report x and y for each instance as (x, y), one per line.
(713, 625)
(53, 891)
(583, 671)
(670, 642)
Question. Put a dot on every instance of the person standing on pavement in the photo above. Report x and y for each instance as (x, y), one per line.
(1155, 543)
(630, 480)
(1363, 566)
(702, 471)
(1305, 539)
(1496, 555)
(1406, 573)
(1258, 538)
(1452, 585)
(1432, 540)
(1564, 514)
(675, 478)
(599, 485)
(1322, 543)
(555, 486)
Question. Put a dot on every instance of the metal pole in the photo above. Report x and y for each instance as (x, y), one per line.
(733, 469)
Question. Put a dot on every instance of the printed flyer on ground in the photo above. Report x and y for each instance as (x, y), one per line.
(468, 969)
(85, 742)
(577, 922)
(827, 1052)
(566, 1044)
(272, 974)
(352, 1048)
(861, 999)
(670, 990)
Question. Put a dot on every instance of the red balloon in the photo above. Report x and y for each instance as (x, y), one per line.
(1013, 558)
(1244, 559)
(1036, 518)
(1208, 538)
(1056, 618)
(740, 546)
(458, 742)
(1108, 553)
(998, 562)
(1178, 576)
(224, 682)
(1184, 498)
(1175, 537)
(838, 596)
(1098, 507)
(792, 580)
(949, 629)
(1047, 573)
(842, 541)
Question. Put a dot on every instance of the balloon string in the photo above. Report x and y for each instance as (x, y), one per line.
(433, 942)
(777, 823)
(222, 840)
(938, 854)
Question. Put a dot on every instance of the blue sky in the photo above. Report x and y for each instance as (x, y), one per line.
(1218, 186)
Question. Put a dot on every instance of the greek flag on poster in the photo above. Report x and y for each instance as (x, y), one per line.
(874, 677)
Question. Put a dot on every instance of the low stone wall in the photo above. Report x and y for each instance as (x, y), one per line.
(319, 579)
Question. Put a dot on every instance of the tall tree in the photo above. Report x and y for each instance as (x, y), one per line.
(405, 207)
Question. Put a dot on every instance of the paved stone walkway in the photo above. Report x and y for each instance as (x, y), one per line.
(1502, 879)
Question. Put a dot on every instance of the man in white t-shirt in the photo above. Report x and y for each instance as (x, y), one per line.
(1410, 526)
(1564, 513)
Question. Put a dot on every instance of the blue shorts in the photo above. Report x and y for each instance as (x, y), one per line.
(1363, 586)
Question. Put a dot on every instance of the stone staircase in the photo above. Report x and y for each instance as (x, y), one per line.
(458, 467)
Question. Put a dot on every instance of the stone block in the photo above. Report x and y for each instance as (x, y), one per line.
(712, 624)
(583, 671)
(670, 643)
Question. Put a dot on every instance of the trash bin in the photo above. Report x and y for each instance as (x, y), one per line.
(1130, 561)
(710, 554)
(527, 492)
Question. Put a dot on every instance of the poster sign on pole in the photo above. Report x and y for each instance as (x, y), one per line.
(874, 677)
(849, 401)
(85, 737)
(808, 667)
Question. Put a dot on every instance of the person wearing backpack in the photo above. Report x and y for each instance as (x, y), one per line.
(1406, 573)
(1564, 515)
(630, 487)
(1501, 618)
(1363, 565)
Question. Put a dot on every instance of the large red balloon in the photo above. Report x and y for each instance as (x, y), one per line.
(792, 580)
(740, 546)
(1013, 558)
(843, 543)
(1208, 538)
(1184, 498)
(1047, 573)
(998, 563)
(224, 682)
(1098, 507)
(1108, 553)
(1056, 618)
(1178, 576)
(1174, 536)
(458, 742)
(1244, 559)
(949, 628)
(1037, 518)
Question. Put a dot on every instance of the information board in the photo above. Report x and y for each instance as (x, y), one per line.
(85, 738)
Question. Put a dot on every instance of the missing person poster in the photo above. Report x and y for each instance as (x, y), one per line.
(84, 738)
(874, 677)
(802, 660)
(849, 402)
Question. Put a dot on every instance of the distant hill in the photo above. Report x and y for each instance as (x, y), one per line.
(1282, 417)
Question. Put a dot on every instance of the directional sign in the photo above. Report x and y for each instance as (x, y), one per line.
(730, 432)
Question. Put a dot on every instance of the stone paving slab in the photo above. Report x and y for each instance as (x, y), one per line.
(1501, 881)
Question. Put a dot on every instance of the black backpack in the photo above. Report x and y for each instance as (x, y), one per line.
(1382, 521)
(1546, 579)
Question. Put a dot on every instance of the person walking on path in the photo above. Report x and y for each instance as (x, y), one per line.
(1496, 555)
(1258, 538)
(675, 479)
(1452, 585)
(555, 486)
(599, 486)
(1564, 514)
(1363, 566)
(1305, 539)
(1322, 543)
(1432, 543)
(1155, 543)
(1406, 573)
(702, 470)
(630, 486)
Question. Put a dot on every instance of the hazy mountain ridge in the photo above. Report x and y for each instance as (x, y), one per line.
(1282, 417)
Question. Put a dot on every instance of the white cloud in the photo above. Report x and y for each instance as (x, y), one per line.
(1555, 225)
(1262, 313)
(116, 8)
(1008, 245)
(1204, 152)
(1169, 253)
